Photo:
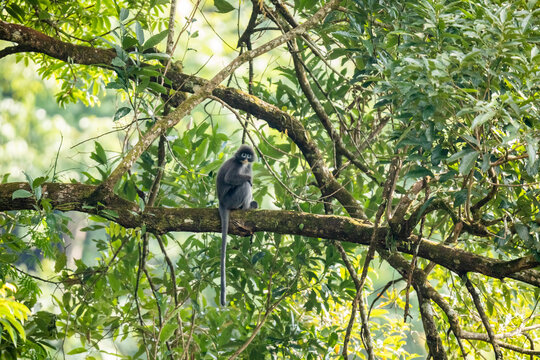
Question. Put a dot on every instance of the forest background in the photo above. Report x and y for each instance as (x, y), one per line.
(397, 173)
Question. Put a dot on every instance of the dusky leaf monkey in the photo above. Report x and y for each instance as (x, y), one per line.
(234, 183)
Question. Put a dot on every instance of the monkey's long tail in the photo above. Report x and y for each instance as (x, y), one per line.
(224, 214)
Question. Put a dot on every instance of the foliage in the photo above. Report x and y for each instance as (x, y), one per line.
(12, 316)
(448, 90)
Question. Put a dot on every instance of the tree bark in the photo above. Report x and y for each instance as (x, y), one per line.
(75, 197)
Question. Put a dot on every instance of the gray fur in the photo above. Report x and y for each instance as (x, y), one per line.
(234, 181)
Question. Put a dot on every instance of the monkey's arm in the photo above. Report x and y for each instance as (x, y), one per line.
(236, 177)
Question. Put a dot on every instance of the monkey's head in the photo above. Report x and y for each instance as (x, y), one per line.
(245, 154)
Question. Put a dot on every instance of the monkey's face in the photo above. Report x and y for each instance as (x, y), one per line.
(245, 157)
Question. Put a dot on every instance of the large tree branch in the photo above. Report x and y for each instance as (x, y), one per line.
(75, 197)
(35, 41)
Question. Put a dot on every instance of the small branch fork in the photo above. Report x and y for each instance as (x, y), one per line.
(483, 316)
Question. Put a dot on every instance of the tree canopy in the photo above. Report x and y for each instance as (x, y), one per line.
(398, 172)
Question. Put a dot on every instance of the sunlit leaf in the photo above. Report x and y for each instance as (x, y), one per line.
(223, 6)
(21, 194)
(139, 33)
(522, 231)
(121, 112)
(482, 118)
(155, 39)
(468, 161)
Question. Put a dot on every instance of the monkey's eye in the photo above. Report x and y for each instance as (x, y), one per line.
(244, 155)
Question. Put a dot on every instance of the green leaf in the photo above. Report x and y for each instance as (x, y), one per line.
(147, 72)
(522, 231)
(424, 207)
(145, 81)
(158, 88)
(532, 149)
(457, 156)
(115, 85)
(468, 161)
(167, 331)
(460, 197)
(348, 34)
(223, 6)
(78, 350)
(438, 154)
(130, 190)
(156, 56)
(120, 113)
(7, 326)
(139, 33)
(99, 154)
(29, 179)
(482, 118)
(118, 62)
(17, 325)
(21, 194)
(60, 263)
(109, 214)
(16, 11)
(128, 42)
(418, 172)
(258, 256)
(38, 181)
(532, 164)
(124, 13)
(155, 39)
(201, 152)
(38, 192)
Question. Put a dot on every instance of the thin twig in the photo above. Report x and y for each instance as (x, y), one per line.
(433, 339)
(357, 303)
(56, 158)
(174, 288)
(259, 325)
(137, 303)
(483, 316)
(154, 190)
(160, 315)
(387, 191)
(415, 255)
(381, 293)
(34, 276)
